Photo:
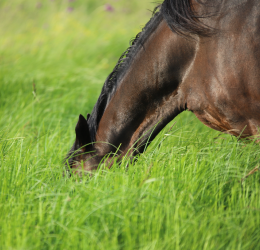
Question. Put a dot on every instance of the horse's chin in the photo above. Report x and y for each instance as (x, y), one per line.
(84, 167)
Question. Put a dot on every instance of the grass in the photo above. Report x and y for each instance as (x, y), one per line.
(184, 192)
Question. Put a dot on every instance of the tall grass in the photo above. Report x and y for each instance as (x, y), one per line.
(184, 192)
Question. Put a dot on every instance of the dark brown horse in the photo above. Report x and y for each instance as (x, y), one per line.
(196, 55)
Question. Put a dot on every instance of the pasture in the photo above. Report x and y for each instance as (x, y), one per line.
(184, 192)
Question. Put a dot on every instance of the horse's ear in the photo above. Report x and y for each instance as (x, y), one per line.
(82, 131)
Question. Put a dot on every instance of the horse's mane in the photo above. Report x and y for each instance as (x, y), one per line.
(114, 77)
(182, 19)
(180, 16)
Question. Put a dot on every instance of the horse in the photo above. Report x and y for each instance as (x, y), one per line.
(197, 55)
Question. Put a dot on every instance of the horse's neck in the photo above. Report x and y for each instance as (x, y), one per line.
(147, 97)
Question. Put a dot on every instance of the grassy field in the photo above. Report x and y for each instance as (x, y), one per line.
(183, 193)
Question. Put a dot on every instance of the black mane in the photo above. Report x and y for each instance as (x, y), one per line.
(181, 19)
(118, 72)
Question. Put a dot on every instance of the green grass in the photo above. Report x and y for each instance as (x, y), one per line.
(184, 192)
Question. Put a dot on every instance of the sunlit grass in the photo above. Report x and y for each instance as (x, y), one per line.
(184, 192)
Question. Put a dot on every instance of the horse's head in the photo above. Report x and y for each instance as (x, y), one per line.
(143, 93)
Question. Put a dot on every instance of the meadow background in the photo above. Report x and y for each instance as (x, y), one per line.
(184, 192)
